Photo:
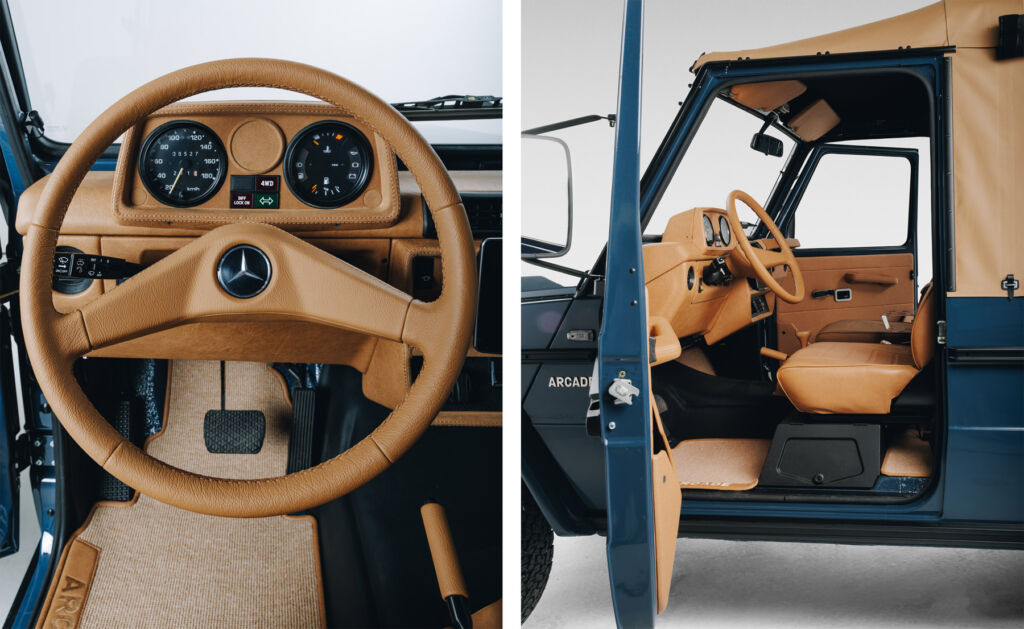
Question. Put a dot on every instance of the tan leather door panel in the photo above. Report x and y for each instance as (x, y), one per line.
(869, 277)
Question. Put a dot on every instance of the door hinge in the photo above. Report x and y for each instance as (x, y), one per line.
(33, 449)
(940, 327)
(1010, 284)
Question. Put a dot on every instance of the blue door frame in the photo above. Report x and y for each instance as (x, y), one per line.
(711, 79)
(623, 354)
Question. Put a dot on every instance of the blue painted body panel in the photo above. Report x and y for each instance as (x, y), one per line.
(985, 455)
(623, 353)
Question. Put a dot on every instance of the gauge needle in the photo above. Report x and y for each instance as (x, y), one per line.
(180, 170)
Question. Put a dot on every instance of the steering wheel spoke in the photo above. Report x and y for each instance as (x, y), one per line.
(302, 283)
(770, 258)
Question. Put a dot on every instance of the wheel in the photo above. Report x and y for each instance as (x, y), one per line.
(538, 548)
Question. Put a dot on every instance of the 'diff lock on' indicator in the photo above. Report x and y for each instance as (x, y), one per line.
(262, 192)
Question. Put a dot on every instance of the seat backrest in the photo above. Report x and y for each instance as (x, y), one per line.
(922, 334)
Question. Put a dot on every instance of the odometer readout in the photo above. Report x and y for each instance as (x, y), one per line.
(182, 163)
(328, 164)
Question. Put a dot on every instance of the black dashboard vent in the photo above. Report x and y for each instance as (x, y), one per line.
(483, 210)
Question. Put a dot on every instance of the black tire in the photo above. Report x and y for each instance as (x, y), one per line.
(538, 548)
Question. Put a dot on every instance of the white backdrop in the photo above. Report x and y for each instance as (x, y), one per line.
(570, 65)
(81, 56)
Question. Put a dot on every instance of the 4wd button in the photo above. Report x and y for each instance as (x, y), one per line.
(266, 200)
(270, 183)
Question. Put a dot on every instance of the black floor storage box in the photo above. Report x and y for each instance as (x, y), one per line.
(823, 455)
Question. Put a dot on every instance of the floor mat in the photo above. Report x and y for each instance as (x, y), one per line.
(908, 455)
(147, 564)
(721, 464)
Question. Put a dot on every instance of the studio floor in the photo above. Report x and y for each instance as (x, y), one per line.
(774, 584)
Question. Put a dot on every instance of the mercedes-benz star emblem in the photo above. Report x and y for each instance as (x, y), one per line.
(244, 271)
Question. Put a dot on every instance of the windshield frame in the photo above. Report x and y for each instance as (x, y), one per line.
(37, 154)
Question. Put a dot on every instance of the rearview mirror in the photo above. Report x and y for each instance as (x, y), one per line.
(764, 143)
(547, 197)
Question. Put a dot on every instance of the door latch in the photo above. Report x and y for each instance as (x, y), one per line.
(1009, 284)
(622, 391)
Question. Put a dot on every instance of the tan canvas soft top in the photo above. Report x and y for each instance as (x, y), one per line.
(988, 131)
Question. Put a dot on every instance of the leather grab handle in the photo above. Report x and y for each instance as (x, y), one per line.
(768, 352)
(442, 550)
(666, 343)
(862, 277)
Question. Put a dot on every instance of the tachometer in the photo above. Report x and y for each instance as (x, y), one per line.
(182, 163)
(709, 232)
(723, 229)
(328, 164)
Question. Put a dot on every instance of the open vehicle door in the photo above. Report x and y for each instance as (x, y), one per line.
(642, 486)
(10, 448)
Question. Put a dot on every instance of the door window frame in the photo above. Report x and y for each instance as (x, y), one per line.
(785, 219)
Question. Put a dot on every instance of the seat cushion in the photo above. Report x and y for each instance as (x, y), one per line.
(849, 378)
(864, 331)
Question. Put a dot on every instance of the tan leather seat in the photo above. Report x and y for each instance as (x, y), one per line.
(858, 378)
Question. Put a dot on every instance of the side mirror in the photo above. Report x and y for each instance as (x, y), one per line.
(547, 197)
(764, 143)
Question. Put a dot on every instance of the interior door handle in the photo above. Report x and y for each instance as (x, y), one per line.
(840, 294)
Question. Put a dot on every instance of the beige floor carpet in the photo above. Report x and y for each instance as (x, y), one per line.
(722, 464)
(908, 455)
(146, 564)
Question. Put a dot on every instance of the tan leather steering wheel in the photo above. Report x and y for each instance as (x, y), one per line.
(306, 284)
(761, 260)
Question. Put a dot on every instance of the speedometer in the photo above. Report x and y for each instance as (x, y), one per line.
(709, 231)
(182, 163)
(328, 164)
(723, 229)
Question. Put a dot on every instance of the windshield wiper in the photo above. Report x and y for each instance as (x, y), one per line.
(451, 107)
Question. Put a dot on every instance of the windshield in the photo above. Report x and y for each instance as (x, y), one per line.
(718, 161)
(120, 46)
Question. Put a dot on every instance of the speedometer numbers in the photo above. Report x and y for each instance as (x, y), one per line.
(328, 164)
(182, 163)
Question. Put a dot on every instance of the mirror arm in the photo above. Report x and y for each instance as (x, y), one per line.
(572, 122)
(544, 264)
(769, 120)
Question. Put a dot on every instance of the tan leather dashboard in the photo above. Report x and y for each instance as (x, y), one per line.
(673, 273)
(387, 251)
(254, 136)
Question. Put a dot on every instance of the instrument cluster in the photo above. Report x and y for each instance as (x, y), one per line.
(326, 165)
(720, 237)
